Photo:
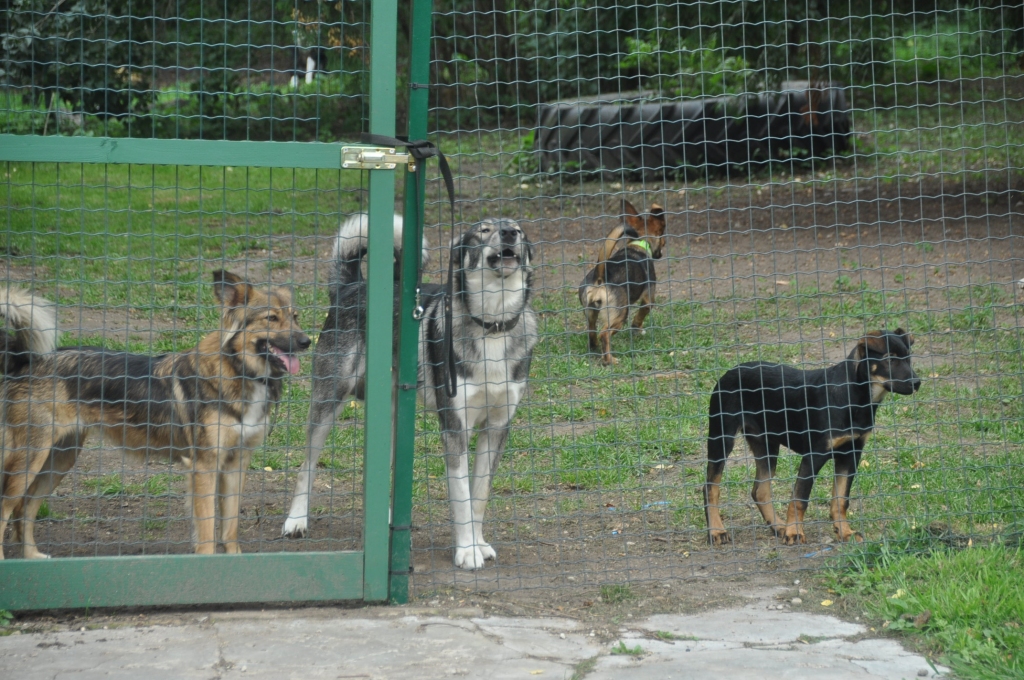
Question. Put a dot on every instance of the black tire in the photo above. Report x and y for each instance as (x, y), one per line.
(648, 138)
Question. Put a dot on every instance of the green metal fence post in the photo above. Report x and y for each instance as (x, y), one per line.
(380, 302)
(408, 369)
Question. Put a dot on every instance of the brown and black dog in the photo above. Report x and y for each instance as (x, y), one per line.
(824, 414)
(624, 276)
(207, 408)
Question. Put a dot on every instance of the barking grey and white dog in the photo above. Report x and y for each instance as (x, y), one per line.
(494, 331)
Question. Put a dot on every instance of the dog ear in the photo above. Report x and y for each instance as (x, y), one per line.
(459, 248)
(230, 289)
(873, 342)
(631, 217)
(908, 338)
(657, 216)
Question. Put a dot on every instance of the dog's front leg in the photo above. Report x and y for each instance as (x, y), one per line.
(231, 483)
(490, 446)
(845, 469)
(455, 438)
(202, 490)
(810, 465)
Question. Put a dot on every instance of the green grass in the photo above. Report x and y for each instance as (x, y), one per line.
(615, 594)
(974, 598)
(147, 237)
(115, 485)
(624, 650)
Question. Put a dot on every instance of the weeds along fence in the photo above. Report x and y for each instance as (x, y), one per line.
(825, 172)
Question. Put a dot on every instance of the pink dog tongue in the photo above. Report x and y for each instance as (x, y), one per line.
(291, 362)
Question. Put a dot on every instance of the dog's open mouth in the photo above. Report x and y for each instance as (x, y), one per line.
(289, 361)
(507, 258)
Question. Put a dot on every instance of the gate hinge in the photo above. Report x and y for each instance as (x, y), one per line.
(374, 158)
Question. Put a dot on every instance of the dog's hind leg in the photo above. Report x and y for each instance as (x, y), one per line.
(17, 482)
(614, 318)
(62, 458)
(322, 415)
(810, 465)
(592, 343)
(766, 455)
(845, 470)
(646, 299)
(721, 439)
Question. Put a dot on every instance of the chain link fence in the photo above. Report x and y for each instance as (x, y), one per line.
(824, 172)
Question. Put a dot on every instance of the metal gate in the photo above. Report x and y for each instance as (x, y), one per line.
(274, 573)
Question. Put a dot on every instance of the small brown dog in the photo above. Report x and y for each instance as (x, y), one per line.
(624, 276)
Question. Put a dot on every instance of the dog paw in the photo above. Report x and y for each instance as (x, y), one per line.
(472, 557)
(794, 538)
(36, 555)
(853, 537)
(294, 527)
(718, 537)
(486, 550)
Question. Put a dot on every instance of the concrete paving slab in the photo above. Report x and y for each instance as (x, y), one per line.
(738, 643)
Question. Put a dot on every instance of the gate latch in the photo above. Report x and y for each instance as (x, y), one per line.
(374, 158)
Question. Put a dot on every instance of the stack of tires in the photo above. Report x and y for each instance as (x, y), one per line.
(648, 137)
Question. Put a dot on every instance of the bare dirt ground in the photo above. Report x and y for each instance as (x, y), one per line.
(911, 241)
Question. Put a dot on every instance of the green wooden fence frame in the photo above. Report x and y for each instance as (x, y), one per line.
(294, 576)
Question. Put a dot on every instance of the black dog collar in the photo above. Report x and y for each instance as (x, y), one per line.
(497, 326)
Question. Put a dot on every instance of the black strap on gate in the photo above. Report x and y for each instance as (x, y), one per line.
(421, 150)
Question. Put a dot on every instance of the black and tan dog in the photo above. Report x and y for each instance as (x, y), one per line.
(624, 276)
(207, 408)
(825, 414)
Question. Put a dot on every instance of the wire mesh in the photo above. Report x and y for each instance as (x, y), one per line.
(127, 251)
(825, 171)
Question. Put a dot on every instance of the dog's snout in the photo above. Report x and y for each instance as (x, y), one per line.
(916, 383)
(301, 341)
(508, 234)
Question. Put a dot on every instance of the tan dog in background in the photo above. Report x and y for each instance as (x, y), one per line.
(624, 276)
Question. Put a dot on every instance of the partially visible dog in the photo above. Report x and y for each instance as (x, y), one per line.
(207, 408)
(825, 414)
(624, 276)
(494, 332)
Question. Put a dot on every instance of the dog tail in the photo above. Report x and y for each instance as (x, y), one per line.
(725, 419)
(350, 246)
(29, 327)
(607, 248)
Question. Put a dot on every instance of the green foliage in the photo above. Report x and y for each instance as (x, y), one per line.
(6, 618)
(523, 161)
(673, 67)
(67, 67)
